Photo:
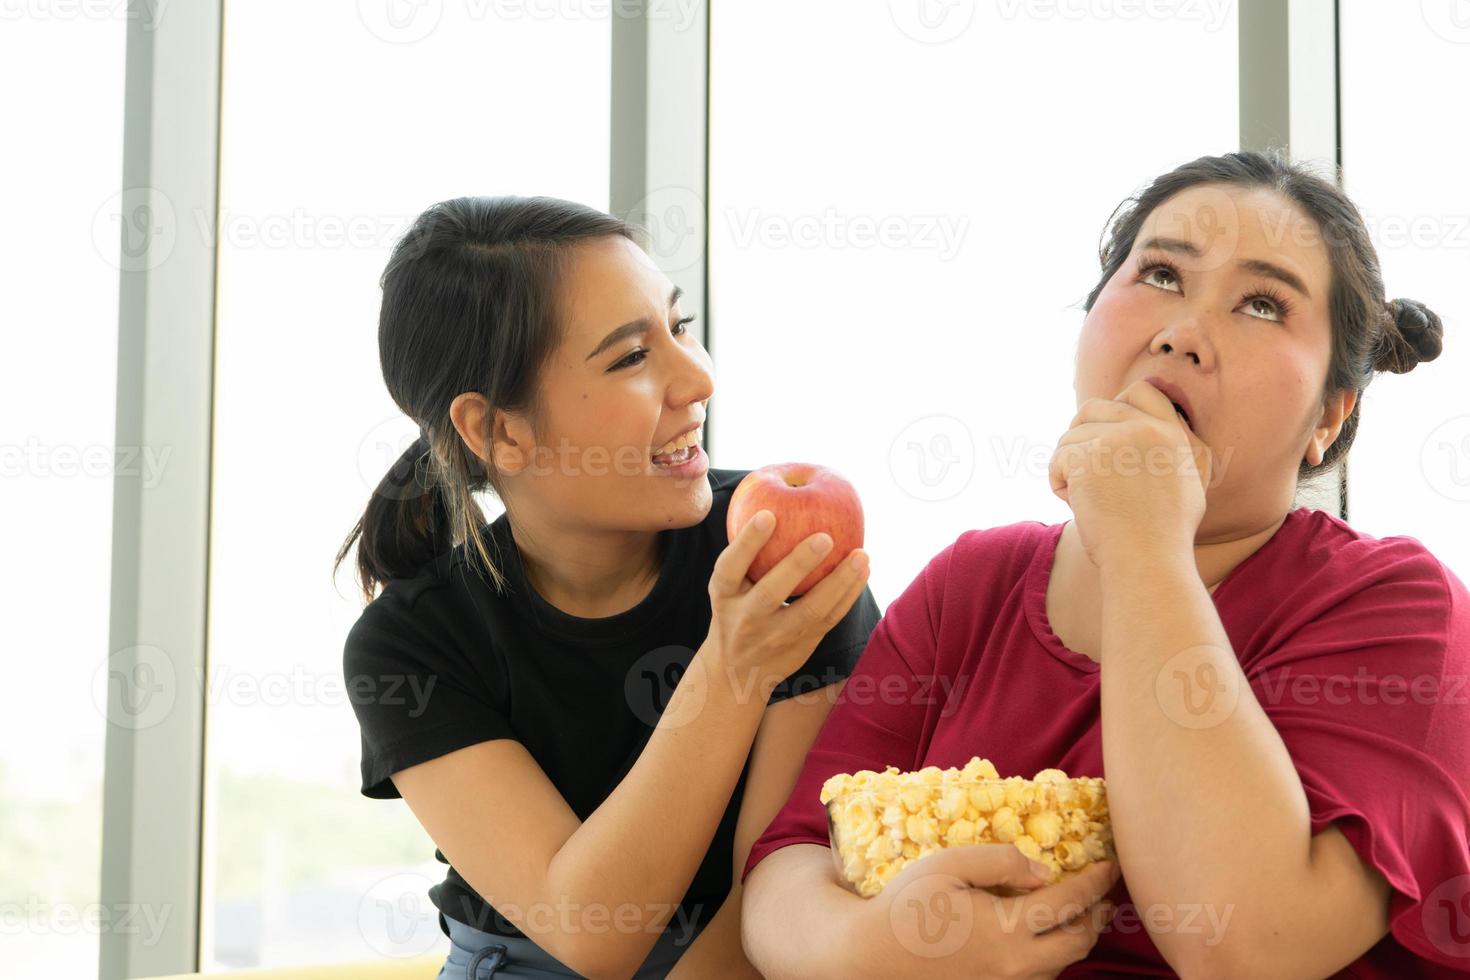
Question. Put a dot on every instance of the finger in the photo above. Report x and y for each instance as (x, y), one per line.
(733, 563)
(1084, 432)
(1066, 944)
(1146, 398)
(831, 598)
(1103, 410)
(983, 866)
(1068, 461)
(1054, 904)
(777, 585)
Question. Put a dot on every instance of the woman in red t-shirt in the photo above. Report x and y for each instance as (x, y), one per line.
(1278, 702)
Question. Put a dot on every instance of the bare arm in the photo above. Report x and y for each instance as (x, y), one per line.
(1297, 904)
(935, 919)
(795, 892)
(786, 735)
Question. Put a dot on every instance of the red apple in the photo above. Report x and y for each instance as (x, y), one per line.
(806, 498)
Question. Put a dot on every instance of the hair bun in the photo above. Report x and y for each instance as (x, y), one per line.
(1416, 335)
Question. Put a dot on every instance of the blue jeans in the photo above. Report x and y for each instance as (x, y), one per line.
(476, 955)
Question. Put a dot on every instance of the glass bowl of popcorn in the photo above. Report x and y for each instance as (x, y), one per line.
(880, 821)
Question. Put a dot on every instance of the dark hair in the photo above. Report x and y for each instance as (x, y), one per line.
(469, 304)
(1369, 334)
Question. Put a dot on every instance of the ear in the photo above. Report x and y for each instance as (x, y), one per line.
(1334, 413)
(492, 434)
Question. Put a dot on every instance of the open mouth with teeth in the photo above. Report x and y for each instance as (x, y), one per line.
(678, 451)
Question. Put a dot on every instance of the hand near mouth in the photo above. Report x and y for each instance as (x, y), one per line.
(1134, 474)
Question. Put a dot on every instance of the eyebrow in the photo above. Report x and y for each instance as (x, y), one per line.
(632, 328)
(1257, 266)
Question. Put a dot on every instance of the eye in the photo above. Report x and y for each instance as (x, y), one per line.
(634, 358)
(630, 360)
(1147, 271)
(1150, 268)
(1274, 302)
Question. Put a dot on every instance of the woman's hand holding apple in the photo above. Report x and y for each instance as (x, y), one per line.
(806, 498)
(753, 630)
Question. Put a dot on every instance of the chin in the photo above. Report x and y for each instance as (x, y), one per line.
(684, 503)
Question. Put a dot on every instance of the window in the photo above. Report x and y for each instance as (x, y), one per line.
(61, 253)
(340, 124)
(905, 207)
(1404, 165)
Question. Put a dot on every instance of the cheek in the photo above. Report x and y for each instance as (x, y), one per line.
(1116, 327)
(1122, 312)
(1283, 390)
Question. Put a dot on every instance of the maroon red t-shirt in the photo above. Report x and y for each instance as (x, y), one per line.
(1358, 648)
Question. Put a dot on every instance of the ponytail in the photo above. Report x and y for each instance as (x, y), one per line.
(405, 523)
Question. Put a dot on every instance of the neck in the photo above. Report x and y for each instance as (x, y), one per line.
(588, 572)
(1214, 556)
(1217, 557)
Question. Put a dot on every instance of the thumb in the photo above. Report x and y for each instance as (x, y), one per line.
(984, 866)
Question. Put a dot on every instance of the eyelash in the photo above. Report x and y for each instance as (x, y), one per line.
(628, 360)
(1148, 263)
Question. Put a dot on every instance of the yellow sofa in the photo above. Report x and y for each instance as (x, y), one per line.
(415, 968)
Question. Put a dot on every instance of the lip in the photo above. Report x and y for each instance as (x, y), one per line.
(681, 432)
(697, 466)
(1175, 394)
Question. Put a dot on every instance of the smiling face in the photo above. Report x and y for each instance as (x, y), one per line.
(1225, 295)
(626, 378)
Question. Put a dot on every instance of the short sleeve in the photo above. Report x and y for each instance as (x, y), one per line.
(837, 654)
(876, 721)
(415, 700)
(1369, 699)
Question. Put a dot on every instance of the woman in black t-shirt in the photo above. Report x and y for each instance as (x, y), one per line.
(587, 705)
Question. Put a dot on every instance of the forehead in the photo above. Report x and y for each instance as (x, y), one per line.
(1230, 224)
(608, 281)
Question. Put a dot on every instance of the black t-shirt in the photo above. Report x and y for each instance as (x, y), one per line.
(439, 661)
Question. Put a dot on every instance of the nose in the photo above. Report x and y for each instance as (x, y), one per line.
(693, 379)
(1184, 336)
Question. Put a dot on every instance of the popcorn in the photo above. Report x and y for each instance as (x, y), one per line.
(880, 821)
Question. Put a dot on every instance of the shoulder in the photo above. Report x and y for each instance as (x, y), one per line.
(416, 619)
(1324, 555)
(999, 554)
(976, 570)
(1328, 592)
